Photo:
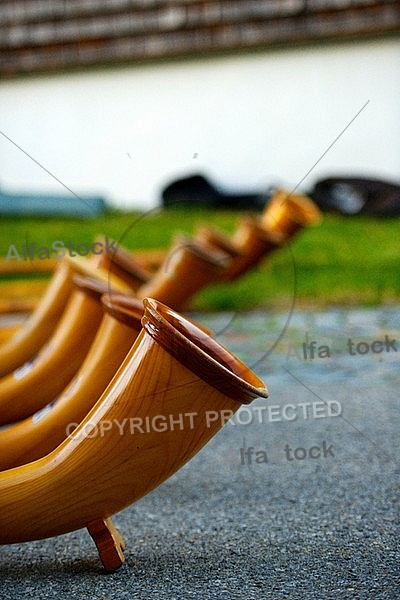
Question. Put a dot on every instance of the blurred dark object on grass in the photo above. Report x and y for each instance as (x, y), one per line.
(357, 196)
(198, 191)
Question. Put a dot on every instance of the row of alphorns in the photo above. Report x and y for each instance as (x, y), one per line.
(85, 384)
(191, 263)
(210, 256)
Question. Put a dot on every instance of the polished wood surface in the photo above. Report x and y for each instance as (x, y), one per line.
(124, 265)
(100, 469)
(216, 240)
(254, 243)
(38, 382)
(287, 213)
(188, 267)
(109, 543)
(31, 336)
(40, 325)
(39, 434)
(7, 332)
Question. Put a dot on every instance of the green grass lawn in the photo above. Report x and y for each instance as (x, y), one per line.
(344, 260)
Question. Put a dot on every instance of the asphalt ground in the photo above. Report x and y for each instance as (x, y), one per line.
(260, 512)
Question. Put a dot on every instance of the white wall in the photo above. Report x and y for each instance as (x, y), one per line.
(252, 120)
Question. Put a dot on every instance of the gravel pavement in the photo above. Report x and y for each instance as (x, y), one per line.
(297, 498)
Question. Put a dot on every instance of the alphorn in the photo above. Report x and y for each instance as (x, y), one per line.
(153, 417)
(187, 268)
(39, 434)
(39, 381)
(254, 243)
(288, 213)
(217, 240)
(124, 265)
(36, 330)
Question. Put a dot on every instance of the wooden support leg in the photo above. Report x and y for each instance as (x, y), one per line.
(109, 543)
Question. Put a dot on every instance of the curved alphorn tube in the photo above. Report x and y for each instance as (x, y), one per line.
(19, 296)
(288, 213)
(151, 258)
(173, 392)
(188, 267)
(124, 265)
(216, 240)
(124, 304)
(254, 244)
(38, 382)
(40, 434)
(33, 333)
(7, 331)
(39, 326)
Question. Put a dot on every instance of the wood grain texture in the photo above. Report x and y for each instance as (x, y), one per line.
(35, 384)
(39, 434)
(95, 472)
(40, 325)
(31, 336)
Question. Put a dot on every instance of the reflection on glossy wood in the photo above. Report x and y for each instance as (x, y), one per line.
(254, 243)
(31, 336)
(38, 435)
(188, 267)
(153, 417)
(288, 213)
(37, 329)
(38, 382)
